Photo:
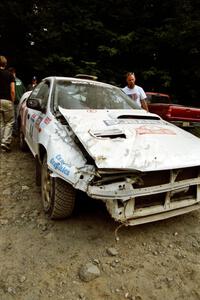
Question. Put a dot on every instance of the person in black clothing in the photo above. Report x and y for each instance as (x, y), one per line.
(33, 83)
(19, 91)
(7, 97)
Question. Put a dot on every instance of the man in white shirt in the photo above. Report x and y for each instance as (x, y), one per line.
(134, 91)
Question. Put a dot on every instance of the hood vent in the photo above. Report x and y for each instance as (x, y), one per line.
(144, 117)
(112, 134)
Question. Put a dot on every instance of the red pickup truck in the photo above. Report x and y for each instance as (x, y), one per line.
(180, 115)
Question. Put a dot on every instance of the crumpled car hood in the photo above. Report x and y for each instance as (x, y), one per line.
(133, 140)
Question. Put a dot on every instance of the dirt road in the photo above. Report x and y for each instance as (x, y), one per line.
(42, 259)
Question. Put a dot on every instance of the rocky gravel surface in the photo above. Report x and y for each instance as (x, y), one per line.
(80, 258)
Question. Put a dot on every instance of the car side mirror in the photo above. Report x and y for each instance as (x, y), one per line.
(35, 103)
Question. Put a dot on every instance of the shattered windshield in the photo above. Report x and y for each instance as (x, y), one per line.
(87, 95)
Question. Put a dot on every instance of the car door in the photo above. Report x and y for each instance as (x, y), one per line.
(35, 117)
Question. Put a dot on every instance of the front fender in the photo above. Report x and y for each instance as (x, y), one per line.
(64, 158)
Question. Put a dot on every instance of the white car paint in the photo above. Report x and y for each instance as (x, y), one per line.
(146, 144)
(143, 168)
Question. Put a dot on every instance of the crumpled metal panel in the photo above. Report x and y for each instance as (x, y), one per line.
(147, 144)
(146, 204)
(137, 146)
(65, 159)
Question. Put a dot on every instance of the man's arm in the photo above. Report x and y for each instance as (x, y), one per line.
(12, 91)
(143, 98)
(144, 104)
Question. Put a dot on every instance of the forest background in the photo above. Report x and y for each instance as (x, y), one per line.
(158, 40)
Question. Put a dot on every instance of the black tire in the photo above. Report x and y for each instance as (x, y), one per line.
(22, 143)
(58, 196)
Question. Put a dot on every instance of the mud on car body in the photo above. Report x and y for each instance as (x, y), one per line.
(87, 135)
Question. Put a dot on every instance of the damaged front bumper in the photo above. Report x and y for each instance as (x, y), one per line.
(150, 196)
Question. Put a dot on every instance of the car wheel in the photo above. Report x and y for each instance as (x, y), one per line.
(58, 196)
(22, 143)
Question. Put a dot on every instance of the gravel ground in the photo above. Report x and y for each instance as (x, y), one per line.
(79, 258)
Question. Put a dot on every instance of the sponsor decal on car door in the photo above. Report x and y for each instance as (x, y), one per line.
(34, 119)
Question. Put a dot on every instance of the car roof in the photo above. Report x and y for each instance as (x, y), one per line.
(86, 76)
(74, 79)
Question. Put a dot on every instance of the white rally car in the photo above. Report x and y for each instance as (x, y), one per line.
(87, 135)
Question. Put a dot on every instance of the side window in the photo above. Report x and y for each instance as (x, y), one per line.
(36, 90)
(41, 92)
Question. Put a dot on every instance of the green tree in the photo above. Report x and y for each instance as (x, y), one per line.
(159, 41)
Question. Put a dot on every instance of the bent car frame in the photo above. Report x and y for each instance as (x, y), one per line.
(89, 136)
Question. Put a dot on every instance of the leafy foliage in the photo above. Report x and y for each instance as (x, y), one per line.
(159, 41)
